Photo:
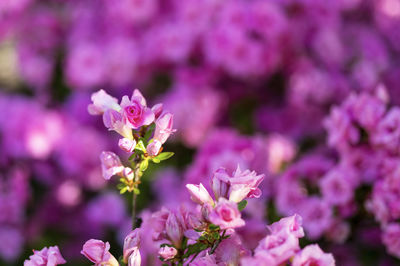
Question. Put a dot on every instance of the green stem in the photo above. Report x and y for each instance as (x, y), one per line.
(216, 244)
(134, 197)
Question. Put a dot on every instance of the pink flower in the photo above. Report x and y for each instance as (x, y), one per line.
(164, 127)
(157, 110)
(131, 244)
(98, 252)
(238, 187)
(127, 145)
(226, 215)
(153, 148)
(199, 194)
(291, 224)
(337, 187)
(135, 111)
(313, 255)
(135, 259)
(174, 230)
(220, 183)
(50, 256)
(244, 185)
(281, 246)
(102, 101)
(113, 120)
(110, 164)
(167, 253)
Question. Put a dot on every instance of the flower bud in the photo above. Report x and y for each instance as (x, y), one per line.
(199, 194)
(167, 253)
(131, 243)
(174, 230)
(153, 148)
(157, 110)
(128, 173)
(135, 259)
(127, 145)
(98, 252)
(102, 101)
(164, 127)
(220, 183)
(110, 164)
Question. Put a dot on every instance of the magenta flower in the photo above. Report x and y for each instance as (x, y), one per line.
(98, 252)
(391, 238)
(313, 255)
(387, 133)
(199, 194)
(131, 245)
(226, 215)
(50, 256)
(127, 145)
(102, 102)
(167, 253)
(110, 164)
(337, 187)
(135, 111)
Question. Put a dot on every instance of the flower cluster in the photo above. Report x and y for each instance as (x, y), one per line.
(305, 93)
(144, 131)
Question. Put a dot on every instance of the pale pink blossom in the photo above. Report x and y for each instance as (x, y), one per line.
(242, 185)
(313, 255)
(135, 258)
(50, 256)
(127, 145)
(291, 224)
(110, 164)
(226, 215)
(167, 253)
(154, 147)
(199, 194)
(113, 120)
(102, 101)
(164, 127)
(174, 230)
(131, 244)
(98, 252)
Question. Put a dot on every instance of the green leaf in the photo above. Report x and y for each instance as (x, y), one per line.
(164, 156)
(155, 160)
(149, 131)
(242, 205)
(123, 190)
(143, 165)
(132, 156)
(136, 191)
(213, 227)
(140, 146)
(194, 249)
